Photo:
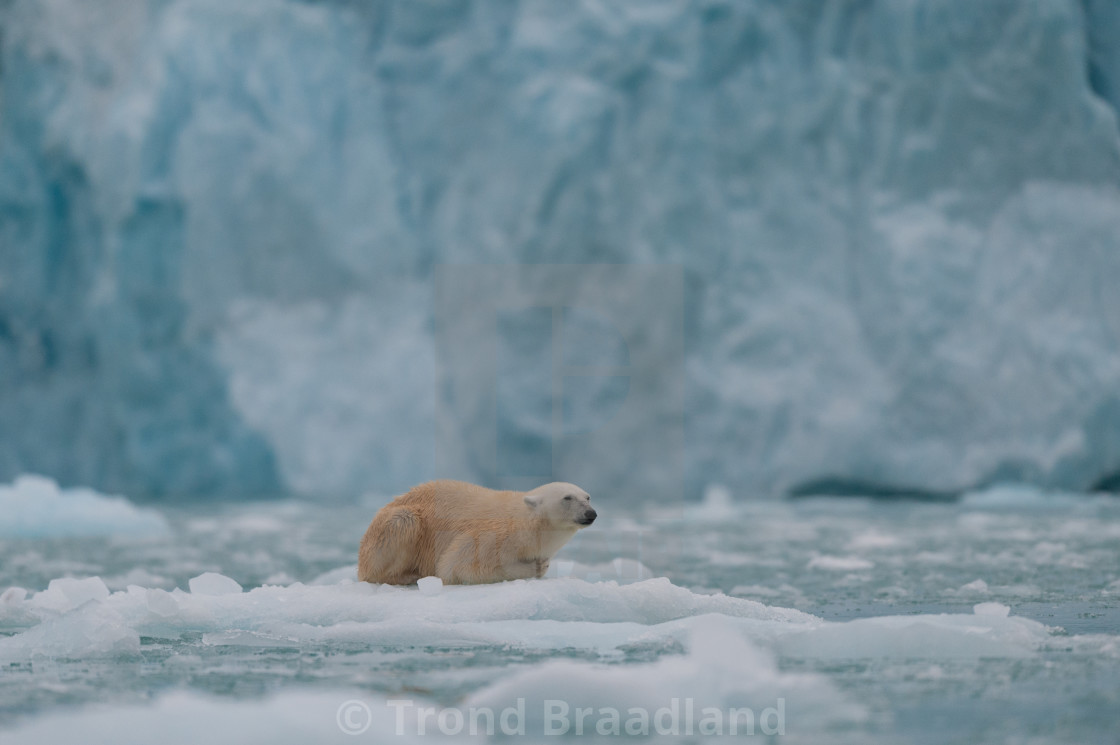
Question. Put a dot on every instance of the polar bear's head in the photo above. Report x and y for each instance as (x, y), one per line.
(562, 504)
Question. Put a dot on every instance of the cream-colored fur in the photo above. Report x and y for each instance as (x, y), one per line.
(468, 534)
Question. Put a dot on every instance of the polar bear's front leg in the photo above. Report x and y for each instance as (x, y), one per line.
(471, 560)
(521, 569)
(459, 562)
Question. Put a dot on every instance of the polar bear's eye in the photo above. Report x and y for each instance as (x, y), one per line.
(568, 498)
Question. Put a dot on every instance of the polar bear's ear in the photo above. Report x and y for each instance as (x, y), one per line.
(532, 501)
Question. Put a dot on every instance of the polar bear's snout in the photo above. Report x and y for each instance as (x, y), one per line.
(588, 517)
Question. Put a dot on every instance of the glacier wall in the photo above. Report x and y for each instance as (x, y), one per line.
(898, 224)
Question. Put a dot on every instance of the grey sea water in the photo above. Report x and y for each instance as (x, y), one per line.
(879, 581)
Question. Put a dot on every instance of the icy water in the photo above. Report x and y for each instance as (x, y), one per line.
(992, 620)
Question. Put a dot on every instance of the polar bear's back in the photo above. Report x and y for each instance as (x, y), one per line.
(458, 502)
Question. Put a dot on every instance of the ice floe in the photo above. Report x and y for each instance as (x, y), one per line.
(81, 617)
(35, 507)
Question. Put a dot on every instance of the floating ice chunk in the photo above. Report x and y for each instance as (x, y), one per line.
(995, 610)
(93, 631)
(212, 583)
(1090, 645)
(430, 586)
(916, 637)
(716, 505)
(535, 614)
(840, 563)
(34, 507)
(554, 614)
(78, 591)
(15, 612)
(68, 593)
(722, 671)
(975, 587)
(13, 595)
(1020, 591)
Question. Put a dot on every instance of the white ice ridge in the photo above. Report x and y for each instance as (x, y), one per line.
(35, 507)
(80, 618)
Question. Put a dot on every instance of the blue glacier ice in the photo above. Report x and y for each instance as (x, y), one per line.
(897, 227)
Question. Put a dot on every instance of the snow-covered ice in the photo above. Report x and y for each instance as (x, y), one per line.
(532, 614)
(566, 613)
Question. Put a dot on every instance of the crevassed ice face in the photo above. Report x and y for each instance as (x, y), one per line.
(563, 503)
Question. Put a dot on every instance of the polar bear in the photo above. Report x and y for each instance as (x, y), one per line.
(467, 534)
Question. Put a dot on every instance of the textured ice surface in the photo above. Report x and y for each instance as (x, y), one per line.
(34, 507)
(897, 223)
(532, 614)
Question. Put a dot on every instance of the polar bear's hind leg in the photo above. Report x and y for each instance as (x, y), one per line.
(389, 549)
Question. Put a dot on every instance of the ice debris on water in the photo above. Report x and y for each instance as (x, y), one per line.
(212, 583)
(994, 610)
